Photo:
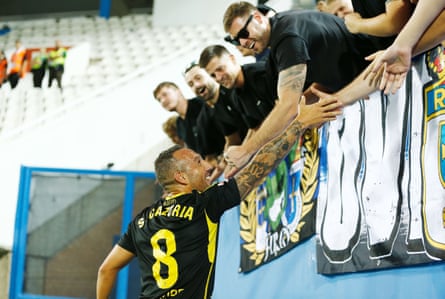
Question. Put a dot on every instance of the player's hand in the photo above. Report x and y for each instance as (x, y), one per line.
(219, 164)
(230, 171)
(236, 157)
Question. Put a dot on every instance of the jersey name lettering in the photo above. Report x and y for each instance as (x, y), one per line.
(172, 293)
(173, 211)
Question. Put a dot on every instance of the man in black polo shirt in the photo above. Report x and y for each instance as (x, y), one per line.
(306, 47)
(254, 85)
(175, 240)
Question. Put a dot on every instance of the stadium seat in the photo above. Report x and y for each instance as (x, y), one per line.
(120, 47)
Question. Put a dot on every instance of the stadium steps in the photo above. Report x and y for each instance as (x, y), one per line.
(121, 48)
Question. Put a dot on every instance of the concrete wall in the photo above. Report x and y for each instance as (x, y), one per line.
(71, 270)
(5, 269)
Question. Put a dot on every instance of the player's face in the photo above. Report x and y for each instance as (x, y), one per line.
(224, 70)
(251, 32)
(168, 97)
(201, 83)
(196, 170)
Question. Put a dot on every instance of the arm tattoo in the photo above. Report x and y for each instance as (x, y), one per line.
(292, 78)
(267, 158)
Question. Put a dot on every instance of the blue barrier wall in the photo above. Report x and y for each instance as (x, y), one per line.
(293, 275)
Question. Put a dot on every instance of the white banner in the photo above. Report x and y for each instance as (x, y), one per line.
(382, 197)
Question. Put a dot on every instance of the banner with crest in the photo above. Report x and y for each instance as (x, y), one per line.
(382, 198)
(280, 213)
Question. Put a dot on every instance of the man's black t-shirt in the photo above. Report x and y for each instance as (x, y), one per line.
(257, 97)
(175, 242)
(210, 133)
(199, 132)
(370, 9)
(228, 114)
(187, 128)
(333, 55)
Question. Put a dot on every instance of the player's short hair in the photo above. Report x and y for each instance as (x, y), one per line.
(165, 164)
(211, 52)
(162, 85)
(235, 10)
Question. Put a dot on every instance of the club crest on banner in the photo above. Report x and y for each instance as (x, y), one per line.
(281, 211)
(433, 154)
(434, 98)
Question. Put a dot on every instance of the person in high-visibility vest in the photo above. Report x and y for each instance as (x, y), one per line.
(38, 67)
(16, 64)
(3, 67)
(56, 63)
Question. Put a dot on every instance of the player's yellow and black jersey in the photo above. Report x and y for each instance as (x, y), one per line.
(175, 242)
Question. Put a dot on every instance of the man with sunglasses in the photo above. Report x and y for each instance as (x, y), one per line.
(306, 47)
(268, 12)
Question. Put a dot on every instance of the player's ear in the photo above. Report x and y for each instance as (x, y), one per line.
(181, 177)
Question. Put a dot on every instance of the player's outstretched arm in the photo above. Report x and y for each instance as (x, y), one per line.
(270, 155)
(312, 115)
(290, 86)
(106, 276)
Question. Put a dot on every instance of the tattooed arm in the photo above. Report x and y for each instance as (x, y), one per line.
(290, 86)
(290, 89)
(268, 157)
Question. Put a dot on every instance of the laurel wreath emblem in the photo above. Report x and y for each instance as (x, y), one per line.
(308, 147)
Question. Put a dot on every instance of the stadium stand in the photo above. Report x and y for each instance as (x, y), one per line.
(118, 50)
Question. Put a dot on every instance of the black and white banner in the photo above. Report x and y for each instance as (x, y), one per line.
(382, 195)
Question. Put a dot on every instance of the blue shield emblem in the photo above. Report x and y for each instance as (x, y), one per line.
(441, 152)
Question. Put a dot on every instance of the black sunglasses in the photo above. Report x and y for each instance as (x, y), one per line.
(243, 33)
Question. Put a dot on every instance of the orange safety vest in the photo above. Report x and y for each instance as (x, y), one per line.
(3, 66)
(17, 59)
